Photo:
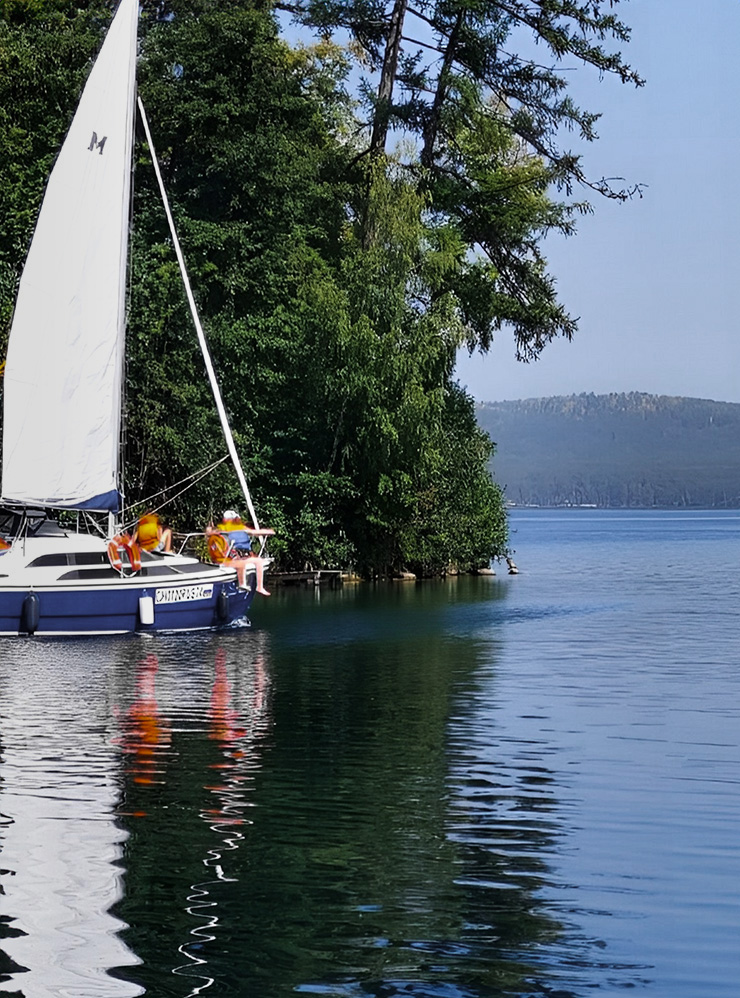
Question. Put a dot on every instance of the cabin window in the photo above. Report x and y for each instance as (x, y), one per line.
(88, 558)
(77, 558)
(88, 574)
(49, 561)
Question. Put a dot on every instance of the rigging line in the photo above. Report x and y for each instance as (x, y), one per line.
(155, 495)
(156, 509)
(198, 328)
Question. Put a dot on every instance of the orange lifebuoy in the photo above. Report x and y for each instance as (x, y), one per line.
(218, 548)
(134, 555)
(114, 554)
(119, 544)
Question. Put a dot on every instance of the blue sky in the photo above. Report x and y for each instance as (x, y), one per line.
(655, 281)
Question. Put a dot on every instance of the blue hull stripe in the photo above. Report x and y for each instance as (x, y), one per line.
(113, 610)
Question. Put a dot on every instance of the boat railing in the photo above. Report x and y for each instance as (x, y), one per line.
(186, 538)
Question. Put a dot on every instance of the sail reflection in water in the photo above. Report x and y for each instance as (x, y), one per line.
(61, 844)
(124, 784)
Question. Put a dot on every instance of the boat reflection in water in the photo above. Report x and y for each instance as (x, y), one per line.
(90, 771)
(145, 735)
(190, 740)
(234, 734)
(334, 806)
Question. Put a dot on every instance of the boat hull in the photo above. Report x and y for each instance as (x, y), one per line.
(58, 583)
(66, 611)
(119, 609)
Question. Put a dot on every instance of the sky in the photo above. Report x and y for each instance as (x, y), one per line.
(655, 281)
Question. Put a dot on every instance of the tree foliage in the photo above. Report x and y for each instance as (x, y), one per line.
(465, 82)
(336, 358)
(336, 282)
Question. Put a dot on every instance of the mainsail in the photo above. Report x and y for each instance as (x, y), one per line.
(62, 395)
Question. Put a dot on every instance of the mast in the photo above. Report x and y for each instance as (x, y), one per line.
(228, 436)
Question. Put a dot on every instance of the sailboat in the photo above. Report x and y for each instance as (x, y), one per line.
(62, 399)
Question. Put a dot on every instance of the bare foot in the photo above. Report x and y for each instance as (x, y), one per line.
(262, 591)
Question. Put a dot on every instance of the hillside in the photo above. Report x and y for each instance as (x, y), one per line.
(620, 450)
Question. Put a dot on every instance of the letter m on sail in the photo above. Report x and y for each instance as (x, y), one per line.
(97, 144)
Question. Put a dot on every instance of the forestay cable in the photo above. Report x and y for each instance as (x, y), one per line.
(198, 328)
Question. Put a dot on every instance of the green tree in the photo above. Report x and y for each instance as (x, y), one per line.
(241, 125)
(335, 354)
(390, 423)
(337, 358)
(485, 117)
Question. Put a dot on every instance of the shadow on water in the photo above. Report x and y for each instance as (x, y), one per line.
(324, 805)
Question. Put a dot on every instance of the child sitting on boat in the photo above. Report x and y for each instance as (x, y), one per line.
(150, 535)
(235, 547)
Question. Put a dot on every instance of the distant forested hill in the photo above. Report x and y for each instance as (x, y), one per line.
(616, 450)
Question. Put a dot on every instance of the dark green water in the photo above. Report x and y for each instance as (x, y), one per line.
(488, 786)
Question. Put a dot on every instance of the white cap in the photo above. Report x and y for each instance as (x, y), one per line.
(230, 514)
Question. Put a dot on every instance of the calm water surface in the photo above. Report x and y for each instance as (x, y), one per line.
(522, 785)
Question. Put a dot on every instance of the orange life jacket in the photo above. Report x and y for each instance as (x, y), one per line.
(148, 531)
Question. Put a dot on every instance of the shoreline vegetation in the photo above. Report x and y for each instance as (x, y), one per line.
(343, 240)
(337, 577)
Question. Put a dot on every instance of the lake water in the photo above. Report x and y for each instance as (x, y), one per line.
(515, 786)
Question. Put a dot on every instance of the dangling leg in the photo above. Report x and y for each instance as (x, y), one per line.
(260, 570)
(241, 570)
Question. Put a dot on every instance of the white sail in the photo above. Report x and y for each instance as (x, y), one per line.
(62, 395)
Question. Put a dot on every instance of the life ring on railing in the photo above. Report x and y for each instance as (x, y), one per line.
(114, 554)
(134, 555)
(218, 548)
(119, 544)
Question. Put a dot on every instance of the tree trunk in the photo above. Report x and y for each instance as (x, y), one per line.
(431, 126)
(387, 79)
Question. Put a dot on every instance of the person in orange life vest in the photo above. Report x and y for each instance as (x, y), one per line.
(239, 552)
(150, 535)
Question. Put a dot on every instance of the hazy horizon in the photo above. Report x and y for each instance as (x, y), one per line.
(634, 391)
